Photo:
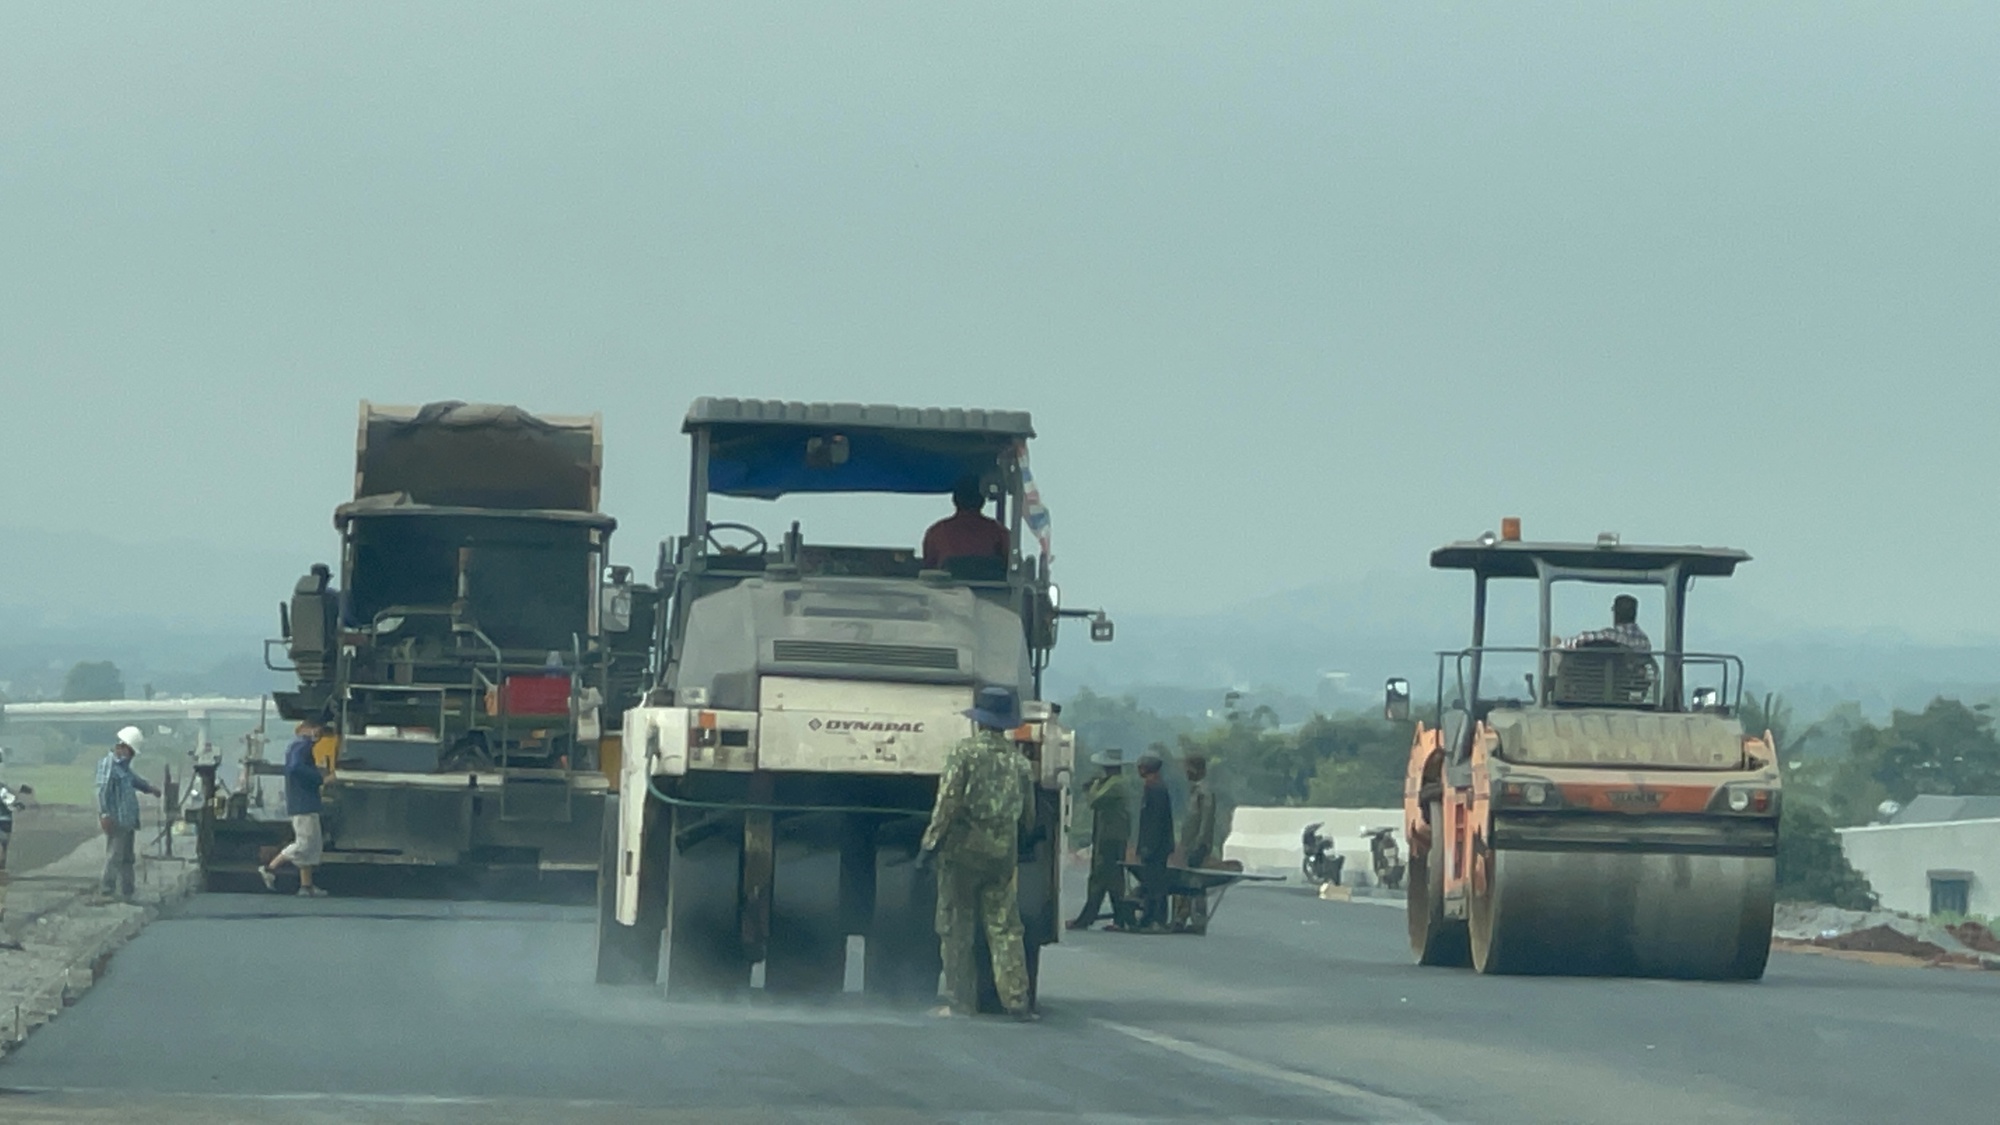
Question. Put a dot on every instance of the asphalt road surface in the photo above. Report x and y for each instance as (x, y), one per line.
(244, 1008)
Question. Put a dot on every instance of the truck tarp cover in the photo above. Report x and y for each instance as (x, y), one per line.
(479, 456)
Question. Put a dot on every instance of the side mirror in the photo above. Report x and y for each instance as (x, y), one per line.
(1101, 629)
(1396, 700)
(616, 601)
(1046, 617)
(618, 609)
(1705, 699)
(284, 621)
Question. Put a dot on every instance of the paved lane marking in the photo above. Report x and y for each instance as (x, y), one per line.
(1384, 1107)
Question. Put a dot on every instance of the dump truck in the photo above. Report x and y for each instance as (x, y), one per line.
(779, 775)
(471, 657)
(1593, 805)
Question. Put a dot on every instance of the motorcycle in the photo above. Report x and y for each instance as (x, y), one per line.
(1386, 857)
(1321, 864)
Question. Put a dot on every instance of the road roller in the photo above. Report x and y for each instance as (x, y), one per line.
(783, 766)
(1589, 803)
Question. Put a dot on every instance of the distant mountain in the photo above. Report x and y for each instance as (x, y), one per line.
(182, 615)
(56, 579)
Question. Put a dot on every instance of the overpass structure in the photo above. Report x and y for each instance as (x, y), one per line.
(200, 710)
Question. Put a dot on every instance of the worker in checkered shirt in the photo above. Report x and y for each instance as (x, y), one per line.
(1624, 630)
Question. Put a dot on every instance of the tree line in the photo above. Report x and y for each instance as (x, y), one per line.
(1341, 760)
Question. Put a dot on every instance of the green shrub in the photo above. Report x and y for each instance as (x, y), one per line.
(1811, 866)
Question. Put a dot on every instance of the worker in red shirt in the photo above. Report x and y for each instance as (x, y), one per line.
(968, 532)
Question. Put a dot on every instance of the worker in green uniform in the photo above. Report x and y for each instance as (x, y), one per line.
(983, 812)
(1197, 843)
(1110, 828)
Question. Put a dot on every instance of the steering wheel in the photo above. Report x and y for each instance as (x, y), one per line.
(758, 544)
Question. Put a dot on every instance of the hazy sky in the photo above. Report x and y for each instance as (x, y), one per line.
(1295, 292)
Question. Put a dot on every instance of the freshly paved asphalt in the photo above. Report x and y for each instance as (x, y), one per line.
(243, 1008)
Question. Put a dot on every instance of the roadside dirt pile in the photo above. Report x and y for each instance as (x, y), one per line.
(1968, 944)
(1884, 939)
(1976, 936)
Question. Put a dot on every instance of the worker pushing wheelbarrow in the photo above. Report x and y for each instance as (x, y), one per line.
(1192, 894)
(1176, 875)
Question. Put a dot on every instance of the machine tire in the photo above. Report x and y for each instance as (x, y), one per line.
(903, 958)
(704, 956)
(1753, 945)
(807, 953)
(1751, 959)
(1490, 950)
(629, 954)
(989, 994)
(1586, 913)
(1034, 952)
(1434, 939)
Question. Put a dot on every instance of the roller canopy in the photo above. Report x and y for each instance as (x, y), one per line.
(1510, 559)
(765, 449)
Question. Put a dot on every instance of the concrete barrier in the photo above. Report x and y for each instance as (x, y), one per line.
(1266, 840)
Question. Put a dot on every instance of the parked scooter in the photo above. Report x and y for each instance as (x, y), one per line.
(1322, 864)
(1385, 857)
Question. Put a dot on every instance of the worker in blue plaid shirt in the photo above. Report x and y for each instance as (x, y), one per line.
(118, 790)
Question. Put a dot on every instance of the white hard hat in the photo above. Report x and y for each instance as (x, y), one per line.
(132, 737)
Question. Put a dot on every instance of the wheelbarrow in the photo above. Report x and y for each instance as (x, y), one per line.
(1212, 882)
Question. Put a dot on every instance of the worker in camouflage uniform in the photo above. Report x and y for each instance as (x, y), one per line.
(1197, 843)
(1110, 828)
(983, 811)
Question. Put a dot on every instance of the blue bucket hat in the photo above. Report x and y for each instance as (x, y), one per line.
(996, 707)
